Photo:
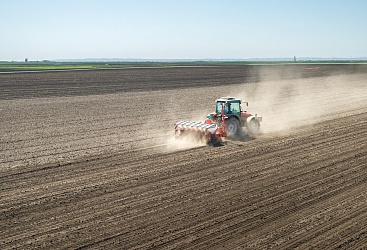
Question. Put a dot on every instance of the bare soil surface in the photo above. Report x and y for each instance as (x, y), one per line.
(88, 160)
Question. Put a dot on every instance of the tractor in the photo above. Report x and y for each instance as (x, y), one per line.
(235, 117)
(227, 120)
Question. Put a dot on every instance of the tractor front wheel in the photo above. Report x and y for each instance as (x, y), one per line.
(253, 127)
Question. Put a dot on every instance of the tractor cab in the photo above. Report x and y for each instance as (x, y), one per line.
(232, 106)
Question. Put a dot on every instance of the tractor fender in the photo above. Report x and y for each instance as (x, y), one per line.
(248, 119)
(227, 117)
(258, 118)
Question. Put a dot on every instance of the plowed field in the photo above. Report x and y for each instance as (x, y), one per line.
(88, 160)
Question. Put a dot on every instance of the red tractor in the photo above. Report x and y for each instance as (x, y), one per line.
(235, 117)
(228, 119)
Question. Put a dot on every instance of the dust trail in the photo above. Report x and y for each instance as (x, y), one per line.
(181, 144)
(286, 105)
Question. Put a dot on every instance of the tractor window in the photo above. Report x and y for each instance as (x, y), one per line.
(230, 108)
(219, 108)
(235, 108)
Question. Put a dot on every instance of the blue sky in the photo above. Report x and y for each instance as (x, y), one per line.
(181, 29)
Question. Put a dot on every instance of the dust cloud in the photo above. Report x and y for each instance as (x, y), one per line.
(286, 105)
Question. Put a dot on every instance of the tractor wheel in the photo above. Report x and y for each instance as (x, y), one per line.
(233, 127)
(253, 127)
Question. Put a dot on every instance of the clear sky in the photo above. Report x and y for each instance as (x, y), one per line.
(181, 29)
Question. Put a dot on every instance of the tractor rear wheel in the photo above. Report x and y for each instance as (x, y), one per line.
(233, 127)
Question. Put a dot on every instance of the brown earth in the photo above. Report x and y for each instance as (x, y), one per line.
(88, 160)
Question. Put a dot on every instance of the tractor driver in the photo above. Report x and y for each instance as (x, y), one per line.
(230, 109)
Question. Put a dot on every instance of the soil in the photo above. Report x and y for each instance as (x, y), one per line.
(88, 160)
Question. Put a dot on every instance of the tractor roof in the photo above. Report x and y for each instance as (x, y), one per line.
(228, 99)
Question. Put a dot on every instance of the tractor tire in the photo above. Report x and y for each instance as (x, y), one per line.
(233, 127)
(253, 127)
